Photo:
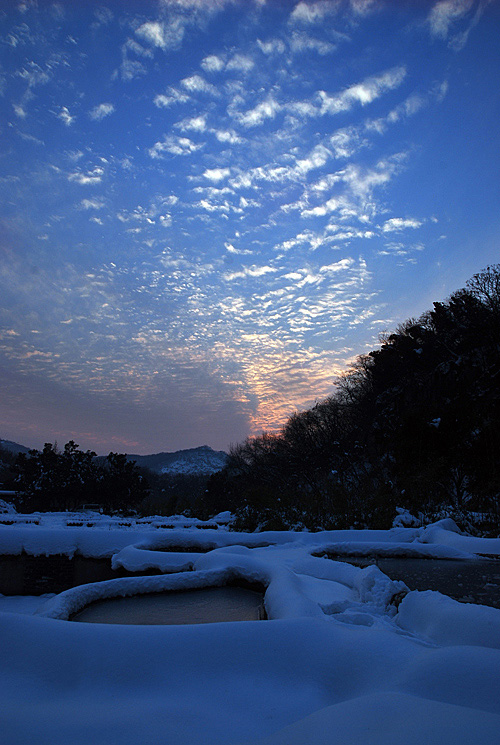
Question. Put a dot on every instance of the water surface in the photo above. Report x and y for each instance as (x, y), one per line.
(467, 580)
(207, 605)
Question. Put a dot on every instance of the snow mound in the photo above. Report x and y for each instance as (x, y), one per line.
(445, 621)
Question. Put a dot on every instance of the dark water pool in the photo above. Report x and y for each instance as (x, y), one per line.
(207, 605)
(467, 581)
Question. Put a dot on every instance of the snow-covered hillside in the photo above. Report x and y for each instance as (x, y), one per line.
(13, 447)
(194, 461)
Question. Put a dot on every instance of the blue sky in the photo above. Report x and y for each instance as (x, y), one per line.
(209, 207)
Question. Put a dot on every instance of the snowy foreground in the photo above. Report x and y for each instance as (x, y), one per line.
(339, 661)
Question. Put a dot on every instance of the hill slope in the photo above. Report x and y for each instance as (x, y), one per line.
(201, 460)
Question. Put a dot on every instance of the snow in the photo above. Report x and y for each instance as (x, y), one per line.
(23, 603)
(445, 621)
(337, 663)
(446, 533)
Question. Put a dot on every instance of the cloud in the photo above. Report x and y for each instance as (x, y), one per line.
(98, 113)
(251, 271)
(65, 116)
(193, 124)
(346, 141)
(445, 13)
(312, 13)
(162, 35)
(19, 111)
(356, 198)
(92, 204)
(91, 177)
(410, 106)
(238, 251)
(240, 63)
(103, 16)
(174, 146)
(228, 136)
(212, 63)
(34, 75)
(363, 7)
(197, 84)
(396, 224)
(258, 115)
(363, 93)
(174, 96)
(272, 46)
(131, 69)
(302, 42)
(217, 174)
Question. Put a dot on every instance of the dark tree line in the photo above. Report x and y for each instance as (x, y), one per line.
(414, 424)
(57, 480)
(173, 493)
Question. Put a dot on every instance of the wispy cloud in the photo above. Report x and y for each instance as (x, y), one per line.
(250, 271)
(193, 124)
(396, 224)
(313, 13)
(445, 13)
(162, 35)
(100, 112)
(448, 12)
(240, 63)
(272, 46)
(213, 63)
(92, 204)
(65, 116)
(90, 177)
(265, 110)
(302, 42)
(172, 97)
(362, 93)
(174, 146)
(198, 84)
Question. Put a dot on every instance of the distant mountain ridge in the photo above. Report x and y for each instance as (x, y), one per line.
(193, 461)
(201, 460)
(13, 447)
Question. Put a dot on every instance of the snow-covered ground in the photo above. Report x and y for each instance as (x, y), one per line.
(342, 659)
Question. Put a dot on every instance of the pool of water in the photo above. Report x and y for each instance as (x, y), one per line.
(207, 605)
(467, 581)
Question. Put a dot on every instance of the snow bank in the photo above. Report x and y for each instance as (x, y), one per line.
(38, 541)
(100, 536)
(64, 605)
(415, 550)
(445, 621)
(446, 533)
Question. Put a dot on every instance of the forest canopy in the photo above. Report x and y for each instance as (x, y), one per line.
(54, 480)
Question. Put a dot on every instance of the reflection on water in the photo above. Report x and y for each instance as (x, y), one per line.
(207, 605)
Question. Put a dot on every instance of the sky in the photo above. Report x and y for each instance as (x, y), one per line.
(209, 208)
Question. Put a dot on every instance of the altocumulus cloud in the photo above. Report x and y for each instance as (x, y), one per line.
(250, 194)
(101, 111)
